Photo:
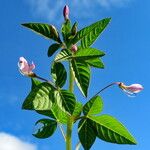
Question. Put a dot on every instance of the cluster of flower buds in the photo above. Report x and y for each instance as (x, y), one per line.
(66, 12)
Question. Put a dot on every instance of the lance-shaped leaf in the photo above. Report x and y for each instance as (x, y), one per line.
(59, 74)
(65, 100)
(81, 72)
(90, 33)
(95, 62)
(93, 106)
(53, 48)
(88, 53)
(111, 130)
(46, 128)
(63, 55)
(86, 134)
(46, 30)
(40, 98)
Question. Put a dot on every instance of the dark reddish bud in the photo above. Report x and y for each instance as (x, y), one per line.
(74, 48)
(66, 12)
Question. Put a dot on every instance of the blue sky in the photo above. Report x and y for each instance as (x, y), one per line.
(125, 41)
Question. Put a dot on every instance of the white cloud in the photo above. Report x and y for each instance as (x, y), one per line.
(50, 9)
(10, 142)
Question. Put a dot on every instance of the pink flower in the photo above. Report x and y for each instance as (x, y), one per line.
(74, 48)
(25, 68)
(66, 12)
(131, 89)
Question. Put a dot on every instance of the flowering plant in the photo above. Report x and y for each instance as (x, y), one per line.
(59, 105)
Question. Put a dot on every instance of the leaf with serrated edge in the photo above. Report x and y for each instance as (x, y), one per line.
(59, 74)
(93, 106)
(40, 98)
(81, 72)
(47, 129)
(111, 130)
(86, 134)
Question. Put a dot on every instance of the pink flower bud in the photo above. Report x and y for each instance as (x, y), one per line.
(25, 68)
(66, 12)
(74, 48)
(132, 89)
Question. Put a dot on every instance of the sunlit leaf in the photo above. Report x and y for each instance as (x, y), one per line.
(93, 106)
(90, 33)
(111, 130)
(40, 98)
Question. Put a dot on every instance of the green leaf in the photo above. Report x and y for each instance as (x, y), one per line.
(46, 30)
(89, 34)
(95, 62)
(35, 82)
(60, 115)
(65, 100)
(56, 113)
(40, 98)
(111, 130)
(66, 30)
(86, 134)
(81, 72)
(77, 110)
(74, 29)
(59, 74)
(93, 106)
(53, 48)
(88, 53)
(63, 55)
(46, 129)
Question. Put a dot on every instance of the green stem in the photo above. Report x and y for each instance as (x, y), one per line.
(71, 82)
(69, 134)
(70, 120)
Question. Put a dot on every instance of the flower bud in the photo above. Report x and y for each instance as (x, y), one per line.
(25, 68)
(131, 89)
(74, 48)
(66, 12)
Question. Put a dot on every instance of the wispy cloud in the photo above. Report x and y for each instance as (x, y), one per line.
(10, 142)
(50, 9)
